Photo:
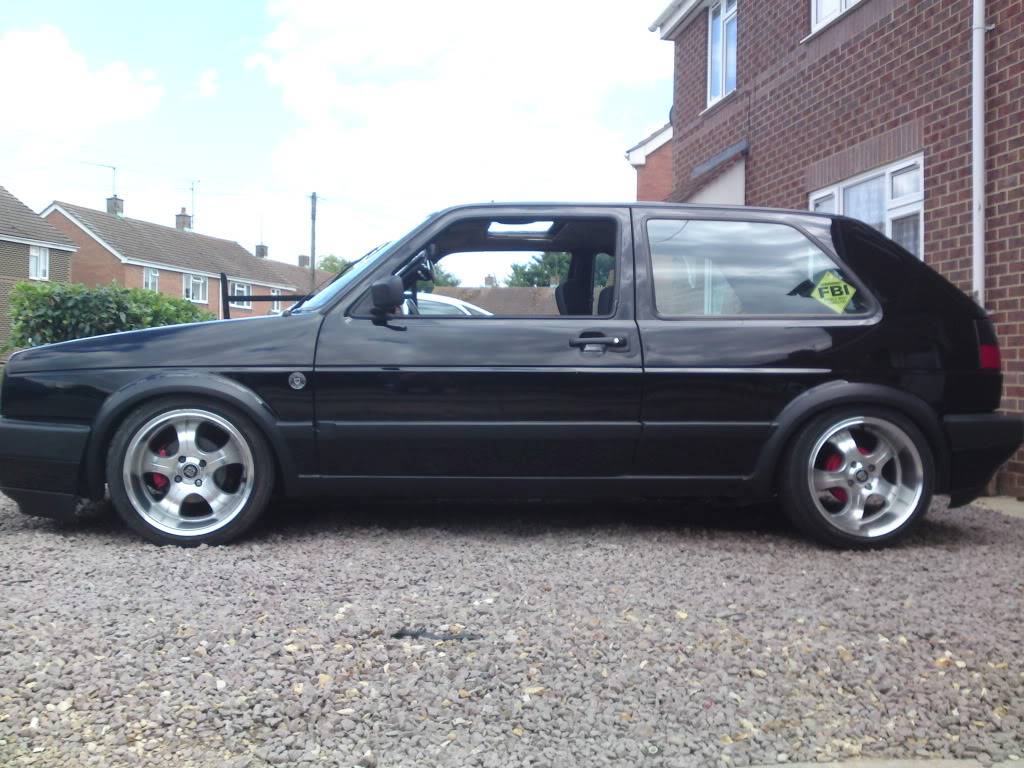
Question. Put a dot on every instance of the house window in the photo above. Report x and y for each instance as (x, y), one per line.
(825, 11)
(38, 262)
(195, 288)
(721, 49)
(151, 279)
(240, 289)
(890, 199)
(275, 305)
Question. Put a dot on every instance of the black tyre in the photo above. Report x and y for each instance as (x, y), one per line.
(857, 477)
(189, 471)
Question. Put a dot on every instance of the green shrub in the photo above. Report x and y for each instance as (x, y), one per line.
(43, 313)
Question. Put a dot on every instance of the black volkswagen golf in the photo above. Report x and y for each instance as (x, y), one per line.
(683, 351)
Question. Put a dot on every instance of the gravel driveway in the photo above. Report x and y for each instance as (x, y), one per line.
(633, 635)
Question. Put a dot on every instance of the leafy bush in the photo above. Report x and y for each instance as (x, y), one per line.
(43, 313)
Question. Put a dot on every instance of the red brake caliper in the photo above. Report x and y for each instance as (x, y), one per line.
(834, 462)
(159, 481)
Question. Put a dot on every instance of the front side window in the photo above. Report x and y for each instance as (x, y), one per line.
(240, 289)
(721, 49)
(38, 262)
(195, 288)
(151, 279)
(740, 268)
(519, 268)
(890, 199)
(824, 11)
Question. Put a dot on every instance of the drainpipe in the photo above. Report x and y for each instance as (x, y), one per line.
(978, 30)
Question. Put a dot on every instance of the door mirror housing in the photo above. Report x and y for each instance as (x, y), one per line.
(387, 294)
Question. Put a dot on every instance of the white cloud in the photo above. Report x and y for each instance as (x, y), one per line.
(57, 103)
(409, 107)
(207, 84)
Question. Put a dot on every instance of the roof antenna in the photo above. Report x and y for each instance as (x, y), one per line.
(113, 175)
(192, 188)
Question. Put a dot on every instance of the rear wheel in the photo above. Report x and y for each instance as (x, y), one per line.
(858, 477)
(189, 472)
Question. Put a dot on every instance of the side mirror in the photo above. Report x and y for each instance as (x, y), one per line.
(387, 294)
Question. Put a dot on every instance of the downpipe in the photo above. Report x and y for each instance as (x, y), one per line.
(978, 30)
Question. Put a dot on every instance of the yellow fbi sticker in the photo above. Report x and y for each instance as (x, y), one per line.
(834, 292)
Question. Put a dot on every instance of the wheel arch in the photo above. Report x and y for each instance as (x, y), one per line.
(167, 384)
(825, 397)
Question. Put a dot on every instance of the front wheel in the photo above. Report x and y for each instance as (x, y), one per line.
(858, 477)
(189, 472)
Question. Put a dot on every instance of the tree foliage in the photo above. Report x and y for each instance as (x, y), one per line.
(442, 278)
(333, 263)
(550, 268)
(43, 313)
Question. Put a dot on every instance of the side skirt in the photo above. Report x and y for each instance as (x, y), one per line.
(524, 487)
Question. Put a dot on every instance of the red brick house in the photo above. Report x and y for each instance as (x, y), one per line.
(30, 249)
(173, 260)
(652, 159)
(866, 108)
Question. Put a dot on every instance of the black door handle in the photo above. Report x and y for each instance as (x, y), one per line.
(598, 341)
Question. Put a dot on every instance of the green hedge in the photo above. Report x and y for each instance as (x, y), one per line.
(43, 313)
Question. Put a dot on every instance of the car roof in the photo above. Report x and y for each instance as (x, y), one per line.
(635, 204)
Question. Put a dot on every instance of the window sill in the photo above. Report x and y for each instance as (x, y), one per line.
(830, 23)
(193, 301)
(728, 97)
(39, 279)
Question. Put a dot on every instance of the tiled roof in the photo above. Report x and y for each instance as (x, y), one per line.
(20, 221)
(503, 301)
(145, 241)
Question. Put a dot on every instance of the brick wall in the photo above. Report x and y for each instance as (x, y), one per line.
(92, 264)
(888, 80)
(654, 177)
(14, 269)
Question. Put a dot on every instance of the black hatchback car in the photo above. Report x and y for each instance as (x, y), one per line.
(683, 351)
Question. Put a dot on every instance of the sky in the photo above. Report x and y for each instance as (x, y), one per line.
(389, 111)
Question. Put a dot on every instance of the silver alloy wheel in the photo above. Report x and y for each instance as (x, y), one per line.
(866, 476)
(188, 472)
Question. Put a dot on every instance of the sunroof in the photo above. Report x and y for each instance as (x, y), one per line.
(520, 228)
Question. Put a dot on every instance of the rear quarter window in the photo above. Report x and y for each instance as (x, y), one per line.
(709, 268)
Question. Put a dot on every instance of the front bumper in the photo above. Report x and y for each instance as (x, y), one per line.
(40, 466)
(979, 445)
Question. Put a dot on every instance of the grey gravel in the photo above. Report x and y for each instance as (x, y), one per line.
(627, 634)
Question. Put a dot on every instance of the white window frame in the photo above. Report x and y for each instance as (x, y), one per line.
(275, 305)
(723, 20)
(151, 279)
(895, 208)
(818, 22)
(240, 289)
(190, 280)
(38, 262)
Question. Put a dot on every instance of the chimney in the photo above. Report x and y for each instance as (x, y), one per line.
(261, 251)
(304, 261)
(115, 205)
(182, 221)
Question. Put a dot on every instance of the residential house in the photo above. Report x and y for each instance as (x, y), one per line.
(174, 260)
(652, 159)
(30, 249)
(865, 108)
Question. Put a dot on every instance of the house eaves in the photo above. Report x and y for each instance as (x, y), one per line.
(637, 156)
(677, 15)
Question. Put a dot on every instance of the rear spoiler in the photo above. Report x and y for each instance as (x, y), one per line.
(226, 298)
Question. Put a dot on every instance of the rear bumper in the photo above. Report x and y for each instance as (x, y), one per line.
(979, 445)
(40, 465)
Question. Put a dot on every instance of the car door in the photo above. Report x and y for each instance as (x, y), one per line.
(476, 395)
(737, 317)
